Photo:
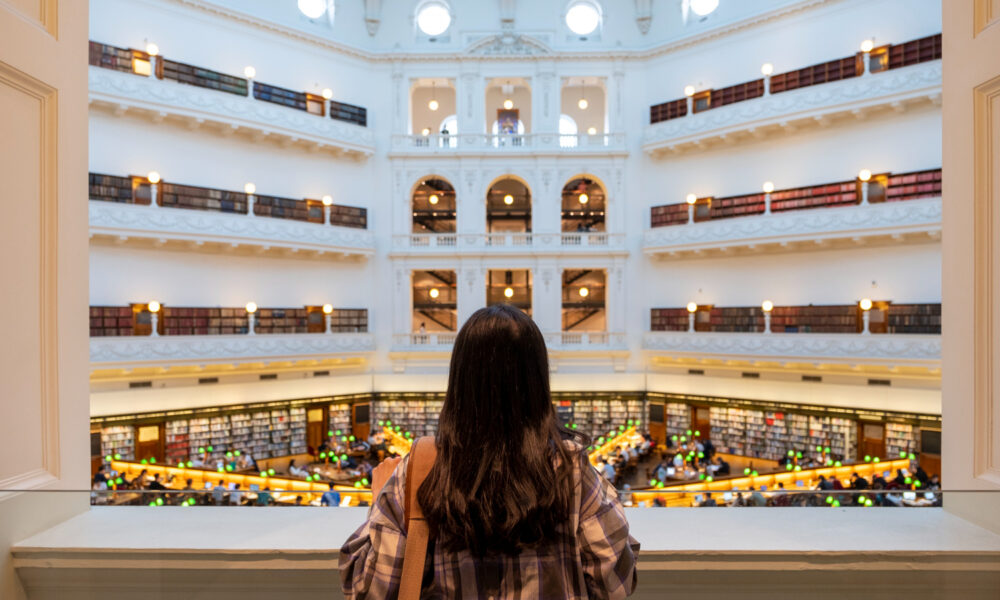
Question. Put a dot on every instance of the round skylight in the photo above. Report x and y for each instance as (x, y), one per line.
(433, 18)
(313, 9)
(704, 7)
(582, 18)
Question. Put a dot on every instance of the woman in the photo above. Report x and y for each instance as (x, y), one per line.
(514, 509)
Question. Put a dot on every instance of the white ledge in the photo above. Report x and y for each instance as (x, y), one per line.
(166, 351)
(570, 243)
(565, 341)
(795, 230)
(786, 112)
(843, 348)
(484, 144)
(202, 229)
(229, 113)
(264, 552)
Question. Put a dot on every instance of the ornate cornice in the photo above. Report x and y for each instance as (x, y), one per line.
(897, 221)
(125, 221)
(777, 14)
(788, 111)
(882, 349)
(161, 99)
(166, 351)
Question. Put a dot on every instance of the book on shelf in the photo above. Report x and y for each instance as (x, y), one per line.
(201, 77)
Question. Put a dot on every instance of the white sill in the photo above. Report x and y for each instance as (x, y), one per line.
(659, 530)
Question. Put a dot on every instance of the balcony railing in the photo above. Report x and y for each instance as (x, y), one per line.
(565, 340)
(509, 242)
(796, 100)
(508, 143)
(196, 105)
(187, 350)
(851, 349)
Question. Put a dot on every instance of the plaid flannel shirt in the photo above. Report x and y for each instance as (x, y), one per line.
(595, 556)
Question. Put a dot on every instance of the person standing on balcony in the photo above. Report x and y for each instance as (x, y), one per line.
(514, 509)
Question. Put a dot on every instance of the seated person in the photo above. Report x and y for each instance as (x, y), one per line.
(709, 501)
(722, 467)
(100, 476)
(219, 493)
(264, 498)
(330, 497)
(236, 496)
(296, 471)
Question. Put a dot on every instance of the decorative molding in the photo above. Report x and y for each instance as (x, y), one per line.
(126, 221)
(125, 92)
(791, 111)
(486, 144)
(509, 45)
(565, 341)
(910, 220)
(643, 15)
(166, 351)
(508, 244)
(881, 349)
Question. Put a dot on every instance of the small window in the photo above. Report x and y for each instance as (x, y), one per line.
(433, 18)
(583, 17)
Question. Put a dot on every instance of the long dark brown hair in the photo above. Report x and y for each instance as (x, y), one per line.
(503, 478)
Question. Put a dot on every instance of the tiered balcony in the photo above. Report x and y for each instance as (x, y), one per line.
(565, 341)
(509, 243)
(892, 78)
(609, 144)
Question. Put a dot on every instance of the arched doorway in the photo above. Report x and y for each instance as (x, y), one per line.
(508, 207)
(433, 206)
(584, 205)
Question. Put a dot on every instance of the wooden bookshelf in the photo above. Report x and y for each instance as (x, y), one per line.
(915, 52)
(731, 319)
(175, 195)
(349, 320)
(667, 110)
(201, 77)
(668, 319)
(914, 318)
(910, 186)
(282, 320)
(288, 208)
(668, 214)
(817, 196)
(124, 60)
(298, 100)
(349, 216)
(834, 70)
(736, 206)
(203, 321)
(815, 319)
(111, 188)
(349, 113)
(111, 321)
(736, 93)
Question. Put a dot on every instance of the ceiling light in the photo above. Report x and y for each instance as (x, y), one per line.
(703, 8)
(425, 131)
(691, 198)
(433, 105)
(592, 131)
(251, 307)
(327, 93)
(249, 72)
(152, 49)
(689, 90)
(508, 199)
(583, 104)
(433, 18)
(312, 9)
(153, 177)
(249, 188)
(327, 200)
(508, 292)
(767, 306)
(434, 199)
(867, 45)
(434, 293)
(864, 174)
(584, 292)
(768, 187)
(327, 309)
(692, 307)
(766, 69)
(582, 18)
(508, 104)
(584, 198)
(153, 306)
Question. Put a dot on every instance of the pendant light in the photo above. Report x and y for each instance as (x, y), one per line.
(583, 104)
(433, 104)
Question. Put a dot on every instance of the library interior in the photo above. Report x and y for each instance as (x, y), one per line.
(725, 217)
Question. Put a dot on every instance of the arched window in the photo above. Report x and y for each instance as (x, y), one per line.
(449, 129)
(567, 132)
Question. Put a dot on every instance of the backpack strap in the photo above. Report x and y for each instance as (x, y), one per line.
(422, 456)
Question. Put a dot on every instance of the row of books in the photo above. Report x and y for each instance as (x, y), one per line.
(902, 318)
(201, 77)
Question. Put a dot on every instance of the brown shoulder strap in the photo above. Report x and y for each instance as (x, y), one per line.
(422, 456)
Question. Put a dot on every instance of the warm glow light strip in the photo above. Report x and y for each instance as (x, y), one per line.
(401, 443)
(629, 435)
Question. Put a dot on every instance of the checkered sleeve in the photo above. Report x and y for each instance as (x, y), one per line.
(371, 560)
(608, 553)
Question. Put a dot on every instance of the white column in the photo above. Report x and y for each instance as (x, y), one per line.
(767, 203)
(546, 301)
(767, 322)
(250, 199)
(864, 192)
(545, 102)
(154, 321)
(400, 101)
(470, 103)
(614, 298)
(866, 318)
(471, 291)
(153, 192)
(615, 101)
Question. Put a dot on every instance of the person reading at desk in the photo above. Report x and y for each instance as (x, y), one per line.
(514, 509)
(264, 498)
(296, 471)
(219, 493)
